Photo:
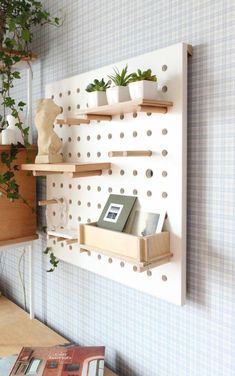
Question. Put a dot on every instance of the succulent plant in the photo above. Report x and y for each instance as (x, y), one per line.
(120, 78)
(97, 85)
(143, 76)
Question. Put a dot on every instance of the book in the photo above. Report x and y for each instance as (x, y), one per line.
(116, 212)
(60, 361)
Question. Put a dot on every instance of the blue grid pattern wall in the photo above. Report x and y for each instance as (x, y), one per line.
(145, 336)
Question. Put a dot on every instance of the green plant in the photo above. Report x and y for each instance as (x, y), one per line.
(141, 76)
(52, 259)
(18, 18)
(97, 85)
(120, 78)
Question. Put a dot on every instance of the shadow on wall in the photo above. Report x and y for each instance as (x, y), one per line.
(122, 365)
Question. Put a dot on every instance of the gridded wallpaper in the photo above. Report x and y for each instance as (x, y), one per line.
(143, 335)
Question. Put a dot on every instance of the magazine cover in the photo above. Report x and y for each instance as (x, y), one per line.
(60, 361)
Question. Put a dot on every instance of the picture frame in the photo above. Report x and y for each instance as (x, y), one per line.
(116, 212)
(145, 223)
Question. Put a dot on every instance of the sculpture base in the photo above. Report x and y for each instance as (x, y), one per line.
(53, 158)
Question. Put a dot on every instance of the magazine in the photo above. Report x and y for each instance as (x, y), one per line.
(60, 361)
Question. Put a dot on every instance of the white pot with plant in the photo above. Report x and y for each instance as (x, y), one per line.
(119, 92)
(143, 85)
(97, 93)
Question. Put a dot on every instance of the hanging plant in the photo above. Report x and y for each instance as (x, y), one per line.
(17, 21)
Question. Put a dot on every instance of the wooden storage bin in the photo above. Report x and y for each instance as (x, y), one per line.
(145, 252)
(18, 221)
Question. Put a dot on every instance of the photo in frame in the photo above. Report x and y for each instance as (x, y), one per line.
(143, 223)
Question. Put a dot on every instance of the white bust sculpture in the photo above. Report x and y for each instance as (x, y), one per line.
(49, 144)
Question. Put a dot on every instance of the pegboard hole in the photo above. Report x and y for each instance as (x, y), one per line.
(79, 203)
(61, 110)
(61, 185)
(88, 187)
(149, 173)
(79, 219)
(62, 245)
(54, 242)
(122, 190)
(60, 95)
(164, 131)
(69, 108)
(69, 92)
(164, 153)
(70, 247)
(164, 89)
(99, 189)
(135, 115)
(69, 139)
(110, 172)
(134, 134)
(110, 136)
(99, 154)
(99, 206)
(70, 186)
(122, 135)
(89, 204)
(122, 172)
(164, 67)
(122, 264)
(53, 184)
(164, 278)
(149, 133)
(164, 194)
(78, 138)
(149, 193)
(79, 187)
(88, 154)
(135, 192)
(121, 117)
(78, 90)
(135, 172)
(98, 137)
(164, 173)
(78, 155)
(70, 216)
(99, 257)
(88, 138)
(110, 189)
(135, 268)
(78, 106)
(70, 202)
(110, 260)
(148, 113)
(149, 273)
(88, 220)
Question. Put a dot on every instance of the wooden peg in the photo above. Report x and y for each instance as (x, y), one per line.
(71, 241)
(72, 121)
(98, 117)
(130, 153)
(85, 174)
(160, 110)
(45, 173)
(49, 202)
(60, 239)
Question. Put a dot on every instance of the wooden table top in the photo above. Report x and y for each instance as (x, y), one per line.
(17, 330)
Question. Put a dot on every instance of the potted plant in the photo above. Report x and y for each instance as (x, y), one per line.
(143, 85)
(119, 92)
(97, 93)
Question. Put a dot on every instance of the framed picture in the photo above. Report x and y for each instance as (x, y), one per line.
(145, 223)
(116, 212)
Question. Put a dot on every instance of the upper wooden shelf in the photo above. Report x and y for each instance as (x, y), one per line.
(24, 60)
(74, 170)
(138, 105)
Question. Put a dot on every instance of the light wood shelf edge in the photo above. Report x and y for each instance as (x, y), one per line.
(18, 240)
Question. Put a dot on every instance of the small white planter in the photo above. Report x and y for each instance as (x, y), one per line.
(118, 94)
(143, 89)
(97, 98)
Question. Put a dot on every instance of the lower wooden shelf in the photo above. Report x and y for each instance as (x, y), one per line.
(144, 252)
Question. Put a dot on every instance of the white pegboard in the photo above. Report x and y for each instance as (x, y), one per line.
(91, 143)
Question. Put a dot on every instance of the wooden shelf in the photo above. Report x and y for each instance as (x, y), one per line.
(139, 105)
(24, 239)
(74, 170)
(24, 60)
(143, 252)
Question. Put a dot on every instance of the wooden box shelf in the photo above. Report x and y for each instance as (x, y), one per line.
(144, 252)
(139, 105)
(74, 170)
(18, 220)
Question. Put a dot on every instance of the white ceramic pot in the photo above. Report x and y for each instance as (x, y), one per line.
(118, 94)
(97, 98)
(143, 89)
(12, 126)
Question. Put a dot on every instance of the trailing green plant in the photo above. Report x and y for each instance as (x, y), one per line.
(120, 78)
(97, 85)
(52, 259)
(143, 76)
(18, 19)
